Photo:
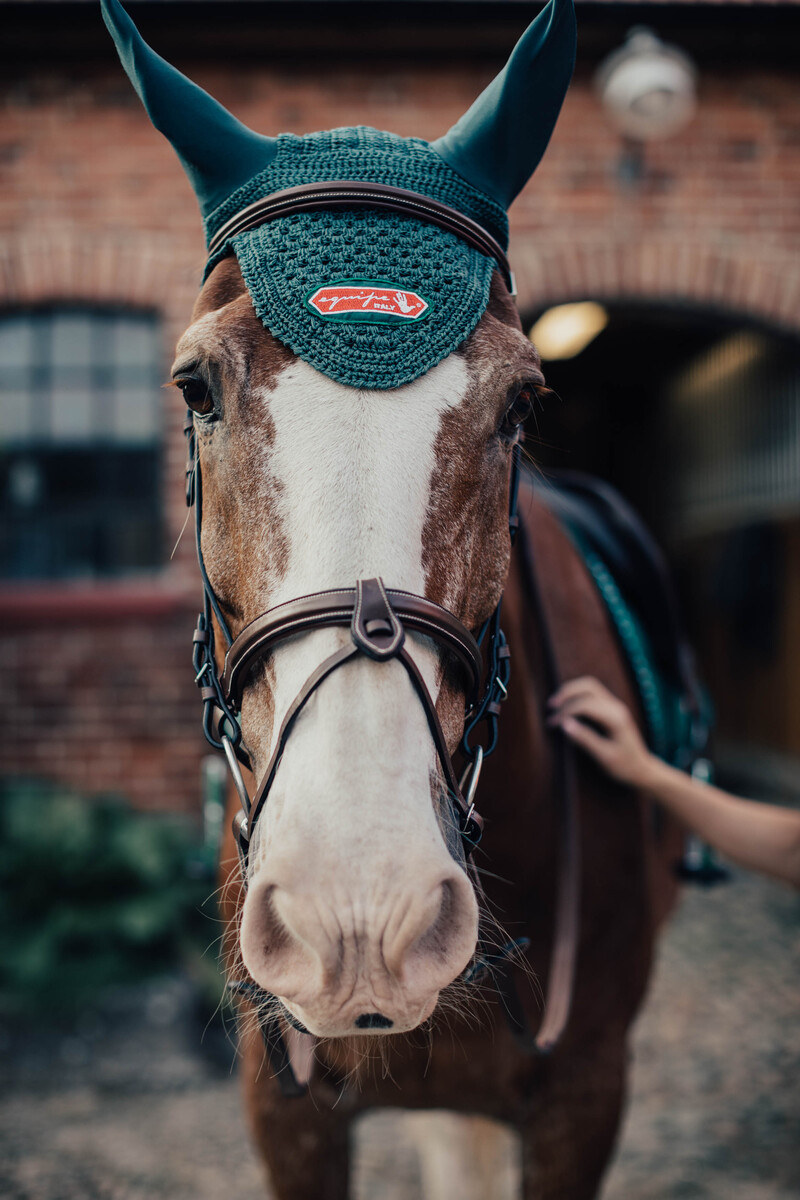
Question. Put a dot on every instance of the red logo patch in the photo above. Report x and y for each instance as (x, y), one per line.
(367, 300)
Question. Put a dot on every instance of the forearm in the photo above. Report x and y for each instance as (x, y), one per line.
(761, 837)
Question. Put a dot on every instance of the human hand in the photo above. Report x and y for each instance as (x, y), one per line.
(612, 739)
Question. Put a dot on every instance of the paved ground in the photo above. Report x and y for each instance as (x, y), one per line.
(125, 1108)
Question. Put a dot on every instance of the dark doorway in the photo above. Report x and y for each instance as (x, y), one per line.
(695, 416)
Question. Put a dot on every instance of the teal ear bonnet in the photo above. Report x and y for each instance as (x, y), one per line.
(371, 298)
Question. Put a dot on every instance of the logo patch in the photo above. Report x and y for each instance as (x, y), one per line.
(367, 301)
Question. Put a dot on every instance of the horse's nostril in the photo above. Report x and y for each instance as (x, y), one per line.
(373, 1021)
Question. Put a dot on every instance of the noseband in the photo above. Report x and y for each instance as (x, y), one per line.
(378, 620)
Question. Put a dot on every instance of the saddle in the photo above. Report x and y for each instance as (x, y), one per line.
(632, 576)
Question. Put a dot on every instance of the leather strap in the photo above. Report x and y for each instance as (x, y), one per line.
(354, 193)
(336, 607)
(563, 957)
(326, 667)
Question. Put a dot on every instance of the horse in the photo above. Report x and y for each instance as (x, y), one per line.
(357, 490)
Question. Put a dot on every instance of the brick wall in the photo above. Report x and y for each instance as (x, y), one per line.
(101, 695)
(714, 219)
(94, 207)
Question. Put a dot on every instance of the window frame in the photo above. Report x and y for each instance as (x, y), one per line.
(105, 377)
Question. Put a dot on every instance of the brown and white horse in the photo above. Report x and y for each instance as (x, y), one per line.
(355, 903)
(360, 916)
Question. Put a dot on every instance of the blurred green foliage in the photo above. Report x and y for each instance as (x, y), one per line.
(93, 894)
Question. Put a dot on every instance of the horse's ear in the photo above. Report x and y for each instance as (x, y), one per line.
(218, 152)
(498, 143)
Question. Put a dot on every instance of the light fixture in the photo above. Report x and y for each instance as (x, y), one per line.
(647, 87)
(719, 367)
(567, 329)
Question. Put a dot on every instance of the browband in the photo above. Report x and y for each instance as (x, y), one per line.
(353, 193)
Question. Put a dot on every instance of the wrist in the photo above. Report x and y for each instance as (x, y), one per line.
(651, 773)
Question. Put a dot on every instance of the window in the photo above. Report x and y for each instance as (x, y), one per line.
(79, 443)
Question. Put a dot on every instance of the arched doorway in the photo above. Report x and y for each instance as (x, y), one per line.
(694, 414)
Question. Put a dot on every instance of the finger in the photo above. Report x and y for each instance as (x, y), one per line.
(586, 738)
(603, 710)
(581, 686)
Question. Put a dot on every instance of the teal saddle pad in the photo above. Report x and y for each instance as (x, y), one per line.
(633, 580)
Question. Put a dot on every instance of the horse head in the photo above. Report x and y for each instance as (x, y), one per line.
(357, 378)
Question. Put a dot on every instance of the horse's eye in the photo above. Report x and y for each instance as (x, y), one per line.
(197, 394)
(518, 410)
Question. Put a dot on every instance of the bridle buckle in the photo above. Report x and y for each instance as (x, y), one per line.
(375, 628)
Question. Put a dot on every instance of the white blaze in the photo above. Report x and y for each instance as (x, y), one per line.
(350, 817)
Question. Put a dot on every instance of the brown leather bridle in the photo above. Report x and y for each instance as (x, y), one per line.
(378, 620)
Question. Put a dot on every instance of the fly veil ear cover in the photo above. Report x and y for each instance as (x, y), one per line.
(371, 298)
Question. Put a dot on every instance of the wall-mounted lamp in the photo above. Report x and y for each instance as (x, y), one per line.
(563, 331)
(647, 87)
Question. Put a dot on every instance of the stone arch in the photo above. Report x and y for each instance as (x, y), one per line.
(657, 269)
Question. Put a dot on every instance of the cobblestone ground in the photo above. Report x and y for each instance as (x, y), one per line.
(125, 1108)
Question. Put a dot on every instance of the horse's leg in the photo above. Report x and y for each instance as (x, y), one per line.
(463, 1157)
(569, 1137)
(303, 1141)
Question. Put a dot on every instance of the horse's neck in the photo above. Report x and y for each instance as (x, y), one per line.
(519, 795)
(517, 789)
